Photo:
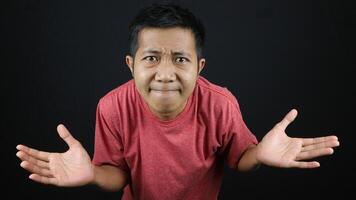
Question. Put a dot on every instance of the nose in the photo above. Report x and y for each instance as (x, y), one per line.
(165, 72)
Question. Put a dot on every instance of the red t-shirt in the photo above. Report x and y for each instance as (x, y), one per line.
(178, 159)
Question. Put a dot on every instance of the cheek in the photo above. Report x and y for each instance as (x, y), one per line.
(143, 78)
(141, 72)
(189, 82)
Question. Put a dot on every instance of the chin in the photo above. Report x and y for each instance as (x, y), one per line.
(166, 108)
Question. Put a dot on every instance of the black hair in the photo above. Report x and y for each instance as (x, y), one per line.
(166, 15)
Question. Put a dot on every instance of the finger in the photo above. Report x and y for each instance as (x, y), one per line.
(66, 136)
(25, 157)
(314, 153)
(309, 141)
(327, 144)
(43, 179)
(36, 169)
(287, 119)
(42, 155)
(306, 165)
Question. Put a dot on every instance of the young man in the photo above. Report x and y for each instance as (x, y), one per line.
(167, 133)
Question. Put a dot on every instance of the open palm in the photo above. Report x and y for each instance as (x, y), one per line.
(279, 150)
(71, 168)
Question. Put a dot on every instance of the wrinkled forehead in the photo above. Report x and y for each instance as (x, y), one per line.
(166, 40)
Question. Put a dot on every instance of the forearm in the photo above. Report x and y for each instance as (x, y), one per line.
(248, 160)
(110, 178)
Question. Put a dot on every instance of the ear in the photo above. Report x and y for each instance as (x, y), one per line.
(201, 65)
(130, 63)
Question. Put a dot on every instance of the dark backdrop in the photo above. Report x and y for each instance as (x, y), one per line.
(60, 57)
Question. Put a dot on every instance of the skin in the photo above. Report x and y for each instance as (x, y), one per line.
(277, 149)
(165, 69)
(71, 168)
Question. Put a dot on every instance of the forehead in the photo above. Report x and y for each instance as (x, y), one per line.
(170, 39)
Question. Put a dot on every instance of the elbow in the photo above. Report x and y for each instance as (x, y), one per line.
(248, 160)
(247, 168)
(110, 178)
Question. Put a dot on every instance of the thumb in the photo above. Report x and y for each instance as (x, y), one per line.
(288, 119)
(65, 135)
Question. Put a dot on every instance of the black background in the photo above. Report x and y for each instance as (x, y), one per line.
(60, 57)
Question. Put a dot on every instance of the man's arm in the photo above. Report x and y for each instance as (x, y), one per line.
(248, 160)
(69, 169)
(110, 178)
(278, 150)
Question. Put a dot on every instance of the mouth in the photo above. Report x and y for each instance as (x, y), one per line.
(163, 91)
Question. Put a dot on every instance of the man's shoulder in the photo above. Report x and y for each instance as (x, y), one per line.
(118, 94)
(214, 91)
(217, 102)
(120, 90)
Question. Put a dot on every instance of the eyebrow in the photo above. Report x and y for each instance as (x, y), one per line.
(154, 51)
(175, 53)
(181, 53)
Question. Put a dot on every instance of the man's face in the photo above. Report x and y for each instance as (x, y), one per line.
(165, 69)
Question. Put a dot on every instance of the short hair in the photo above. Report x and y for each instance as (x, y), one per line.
(166, 15)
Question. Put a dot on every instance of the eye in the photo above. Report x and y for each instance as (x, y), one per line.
(151, 58)
(181, 60)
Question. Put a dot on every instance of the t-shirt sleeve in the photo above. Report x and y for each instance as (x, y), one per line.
(237, 137)
(108, 147)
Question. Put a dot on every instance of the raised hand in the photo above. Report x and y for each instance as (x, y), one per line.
(278, 150)
(71, 168)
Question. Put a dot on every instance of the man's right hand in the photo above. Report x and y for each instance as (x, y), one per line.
(71, 168)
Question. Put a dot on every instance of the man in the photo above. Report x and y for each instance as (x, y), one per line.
(167, 133)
